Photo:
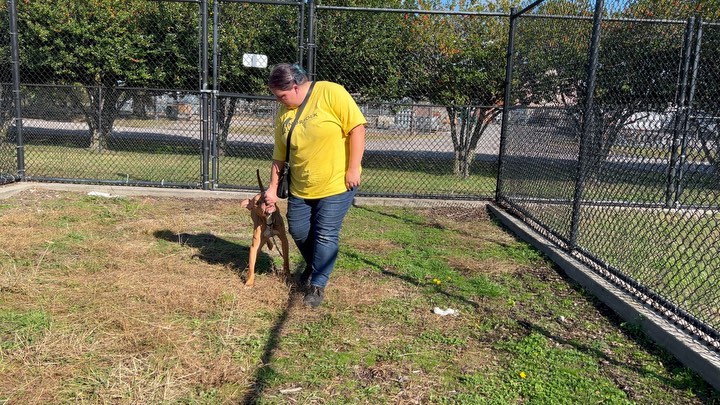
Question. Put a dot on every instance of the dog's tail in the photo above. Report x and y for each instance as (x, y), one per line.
(262, 189)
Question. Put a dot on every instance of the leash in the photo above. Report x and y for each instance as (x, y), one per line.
(269, 221)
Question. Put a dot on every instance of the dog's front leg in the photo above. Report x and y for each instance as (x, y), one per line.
(254, 252)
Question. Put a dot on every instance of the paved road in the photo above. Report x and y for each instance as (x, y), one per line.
(540, 145)
(181, 131)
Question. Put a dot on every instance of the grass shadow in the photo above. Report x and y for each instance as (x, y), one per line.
(669, 362)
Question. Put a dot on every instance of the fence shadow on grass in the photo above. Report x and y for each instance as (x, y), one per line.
(669, 362)
(410, 280)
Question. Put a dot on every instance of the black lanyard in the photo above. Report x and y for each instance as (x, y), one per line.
(297, 117)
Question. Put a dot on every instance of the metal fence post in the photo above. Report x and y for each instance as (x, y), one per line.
(311, 40)
(506, 103)
(301, 34)
(15, 55)
(204, 110)
(689, 103)
(680, 114)
(588, 123)
(214, 99)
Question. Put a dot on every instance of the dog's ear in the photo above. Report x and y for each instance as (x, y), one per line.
(248, 203)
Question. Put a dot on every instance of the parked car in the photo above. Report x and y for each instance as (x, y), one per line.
(650, 121)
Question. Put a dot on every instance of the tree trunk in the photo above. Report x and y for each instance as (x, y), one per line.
(473, 123)
(104, 109)
(226, 112)
(6, 106)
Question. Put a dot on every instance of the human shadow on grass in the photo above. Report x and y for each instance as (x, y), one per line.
(266, 373)
(477, 214)
(215, 250)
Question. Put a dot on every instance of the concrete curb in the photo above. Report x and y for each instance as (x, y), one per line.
(124, 191)
(127, 191)
(692, 353)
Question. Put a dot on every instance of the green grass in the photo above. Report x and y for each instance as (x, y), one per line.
(141, 300)
(182, 164)
(645, 246)
(384, 173)
(21, 328)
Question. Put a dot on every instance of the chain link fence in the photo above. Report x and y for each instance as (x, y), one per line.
(118, 101)
(611, 150)
(430, 86)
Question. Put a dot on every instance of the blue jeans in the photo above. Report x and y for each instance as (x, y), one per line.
(315, 227)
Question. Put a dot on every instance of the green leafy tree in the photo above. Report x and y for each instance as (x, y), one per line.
(269, 30)
(637, 71)
(459, 62)
(453, 61)
(363, 50)
(102, 46)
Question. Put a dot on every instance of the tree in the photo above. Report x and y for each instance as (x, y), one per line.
(458, 62)
(453, 61)
(363, 50)
(637, 71)
(103, 46)
(252, 29)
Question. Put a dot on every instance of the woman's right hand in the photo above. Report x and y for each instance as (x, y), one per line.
(270, 200)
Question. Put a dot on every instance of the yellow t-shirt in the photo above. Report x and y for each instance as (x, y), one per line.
(319, 146)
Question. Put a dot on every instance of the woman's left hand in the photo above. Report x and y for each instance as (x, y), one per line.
(352, 178)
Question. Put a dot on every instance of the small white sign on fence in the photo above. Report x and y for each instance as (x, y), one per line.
(255, 60)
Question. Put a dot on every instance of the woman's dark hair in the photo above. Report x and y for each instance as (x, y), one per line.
(285, 75)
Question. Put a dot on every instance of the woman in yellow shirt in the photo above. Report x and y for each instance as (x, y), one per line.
(326, 149)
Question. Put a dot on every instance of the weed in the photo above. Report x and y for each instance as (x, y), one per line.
(19, 329)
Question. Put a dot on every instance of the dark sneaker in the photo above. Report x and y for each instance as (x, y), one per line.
(314, 296)
(304, 279)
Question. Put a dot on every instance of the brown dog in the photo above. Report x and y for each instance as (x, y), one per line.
(264, 228)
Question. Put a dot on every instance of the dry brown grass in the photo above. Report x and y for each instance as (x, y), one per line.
(141, 300)
(130, 317)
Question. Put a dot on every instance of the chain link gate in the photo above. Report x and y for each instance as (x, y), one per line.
(611, 149)
(243, 109)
